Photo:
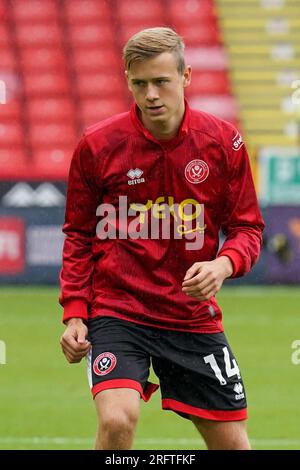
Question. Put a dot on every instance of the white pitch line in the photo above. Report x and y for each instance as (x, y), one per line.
(146, 441)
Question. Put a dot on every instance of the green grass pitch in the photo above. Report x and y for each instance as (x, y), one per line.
(45, 403)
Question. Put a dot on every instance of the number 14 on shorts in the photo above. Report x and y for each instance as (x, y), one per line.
(231, 369)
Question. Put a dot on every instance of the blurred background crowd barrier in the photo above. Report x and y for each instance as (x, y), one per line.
(61, 70)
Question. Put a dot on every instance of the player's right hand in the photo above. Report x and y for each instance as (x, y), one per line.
(73, 342)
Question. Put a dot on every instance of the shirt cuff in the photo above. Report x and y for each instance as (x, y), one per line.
(75, 308)
(236, 260)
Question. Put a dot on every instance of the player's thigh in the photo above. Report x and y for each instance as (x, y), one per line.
(223, 435)
(120, 405)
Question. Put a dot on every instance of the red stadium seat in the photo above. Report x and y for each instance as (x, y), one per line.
(52, 134)
(199, 34)
(3, 10)
(8, 59)
(189, 11)
(52, 163)
(100, 84)
(11, 111)
(46, 34)
(13, 163)
(91, 35)
(46, 83)
(11, 133)
(97, 110)
(51, 109)
(207, 58)
(4, 35)
(139, 10)
(82, 11)
(96, 59)
(223, 106)
(35, 10)
(36, 58)
(206, 83)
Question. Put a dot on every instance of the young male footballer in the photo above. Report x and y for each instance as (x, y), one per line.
(149, 190)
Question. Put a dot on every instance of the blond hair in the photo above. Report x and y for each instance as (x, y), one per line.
(151, 42)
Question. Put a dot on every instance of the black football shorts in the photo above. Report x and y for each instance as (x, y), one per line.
(198, 374)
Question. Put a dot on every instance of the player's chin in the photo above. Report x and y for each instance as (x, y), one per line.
(160, 117)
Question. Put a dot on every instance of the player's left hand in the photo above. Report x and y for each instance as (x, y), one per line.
(204, 279)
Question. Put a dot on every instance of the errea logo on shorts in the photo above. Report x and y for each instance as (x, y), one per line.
(104, 363)
(238, 388)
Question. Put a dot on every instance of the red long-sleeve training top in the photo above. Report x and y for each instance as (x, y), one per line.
(140, 279)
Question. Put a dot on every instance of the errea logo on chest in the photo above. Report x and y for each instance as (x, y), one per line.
(135, 176)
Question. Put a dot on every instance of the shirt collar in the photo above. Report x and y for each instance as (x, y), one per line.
(182, 132)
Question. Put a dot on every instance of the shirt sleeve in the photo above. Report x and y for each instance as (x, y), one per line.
(242, 222)
(83, 197)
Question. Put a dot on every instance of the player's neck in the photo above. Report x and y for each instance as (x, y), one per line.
(165, 130)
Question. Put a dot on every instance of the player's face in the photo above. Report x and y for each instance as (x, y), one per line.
(158, 88)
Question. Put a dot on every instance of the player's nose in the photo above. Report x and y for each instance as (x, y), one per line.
(152, 93)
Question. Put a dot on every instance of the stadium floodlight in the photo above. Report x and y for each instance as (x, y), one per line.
(2, 92)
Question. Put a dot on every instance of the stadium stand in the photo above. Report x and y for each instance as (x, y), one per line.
(263, 43)
(61, 62)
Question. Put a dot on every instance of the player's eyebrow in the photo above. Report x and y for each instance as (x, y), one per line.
(152, 80)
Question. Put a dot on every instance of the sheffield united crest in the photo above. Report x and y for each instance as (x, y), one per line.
(104, 363)
(196, 171)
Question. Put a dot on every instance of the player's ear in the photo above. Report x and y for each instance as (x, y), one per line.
(187, 76)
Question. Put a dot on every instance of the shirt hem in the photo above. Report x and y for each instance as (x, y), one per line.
(218, 328)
